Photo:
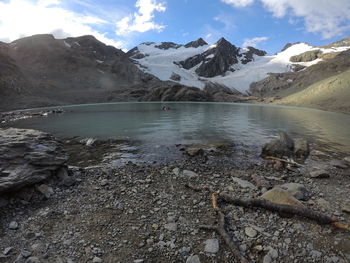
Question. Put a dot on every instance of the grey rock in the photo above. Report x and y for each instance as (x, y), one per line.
(341, 164)
(301, 148)
(138, 260)
(267, 259)
(319, 174)
(243, 183)
(211, 246)
(33, 260)
(315, 254)
(176, 171)
(46, 190)
(65, 179)
(197, 43)
(3, 202)
(347, 160)
(96, 260)
(281, 147)
(7, 250)
(13, 225)
(26, 254)
(175, 77)
(250, 232)
(28, 157)
(189, 174)
(193, 259)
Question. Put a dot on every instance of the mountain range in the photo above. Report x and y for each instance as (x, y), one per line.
(43, 71)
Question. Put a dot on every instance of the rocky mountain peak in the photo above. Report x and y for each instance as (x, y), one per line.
(196, 43)
(167, 45)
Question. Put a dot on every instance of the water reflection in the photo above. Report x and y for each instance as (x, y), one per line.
(188, 123)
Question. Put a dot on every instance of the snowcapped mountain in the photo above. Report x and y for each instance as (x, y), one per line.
(198, 64)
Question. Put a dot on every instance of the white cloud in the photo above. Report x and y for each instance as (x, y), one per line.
(253, 42)
(142, 20)
(238, 3)
(20, 18)
(328, 18)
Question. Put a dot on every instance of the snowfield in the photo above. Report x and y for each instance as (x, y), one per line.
(162, 64)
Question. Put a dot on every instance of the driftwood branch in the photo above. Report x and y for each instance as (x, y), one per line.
(220, 230)
(283, 160)
(284, 209)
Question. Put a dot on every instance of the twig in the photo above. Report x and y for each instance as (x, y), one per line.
(283, 160)
(284, 209)
(220, 229)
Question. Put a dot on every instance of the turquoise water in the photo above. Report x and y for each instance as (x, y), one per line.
(187, 123)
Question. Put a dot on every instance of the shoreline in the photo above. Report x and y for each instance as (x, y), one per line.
(145, 213)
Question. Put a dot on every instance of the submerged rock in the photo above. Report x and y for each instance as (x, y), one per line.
(285, 146)
(28, 157)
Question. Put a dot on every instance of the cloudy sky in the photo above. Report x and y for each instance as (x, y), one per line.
(266, 24)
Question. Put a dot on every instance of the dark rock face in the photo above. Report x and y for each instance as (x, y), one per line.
(176, 93)
(285, 146)
(248, 56)
(175, 77)
(167, 45)
(197, 43)
(28, 157)
(218, 60)
(288, 45)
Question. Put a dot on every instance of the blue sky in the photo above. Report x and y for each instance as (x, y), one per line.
(266, 24)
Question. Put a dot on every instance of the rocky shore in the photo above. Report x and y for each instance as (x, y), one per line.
(146, 213)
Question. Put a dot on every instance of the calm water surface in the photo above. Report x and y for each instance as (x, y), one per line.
(196, 123)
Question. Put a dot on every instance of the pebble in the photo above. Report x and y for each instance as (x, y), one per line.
(193, 259)
(96, 260)
(33, 260)
(315, 254)
(250, 232)
(346, 209)
(211, 246)
(176, 171)
(189, 174)
(243, 183)
(138, 260)
(13, 225)
(46, 190)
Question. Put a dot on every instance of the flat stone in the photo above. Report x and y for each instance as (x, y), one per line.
(280, 196)
(211, 246)
(7, 250)
(267, 259)
(319, 174)
(190, 174)
(193, 259)
(250, 232)
(243, 183)
(33, 260)
(96, 260)
(28, 157)
(13, 225)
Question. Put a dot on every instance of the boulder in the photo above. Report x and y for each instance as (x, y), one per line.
(283, 146)
(28, 157)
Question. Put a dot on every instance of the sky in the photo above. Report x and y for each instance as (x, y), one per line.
(265, 24)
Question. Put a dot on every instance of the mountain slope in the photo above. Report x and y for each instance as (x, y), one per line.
(44, 71)
(331, 94)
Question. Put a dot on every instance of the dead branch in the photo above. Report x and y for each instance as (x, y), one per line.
(283, 160)
(220, 229)
(284, 209)
(214, 200)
